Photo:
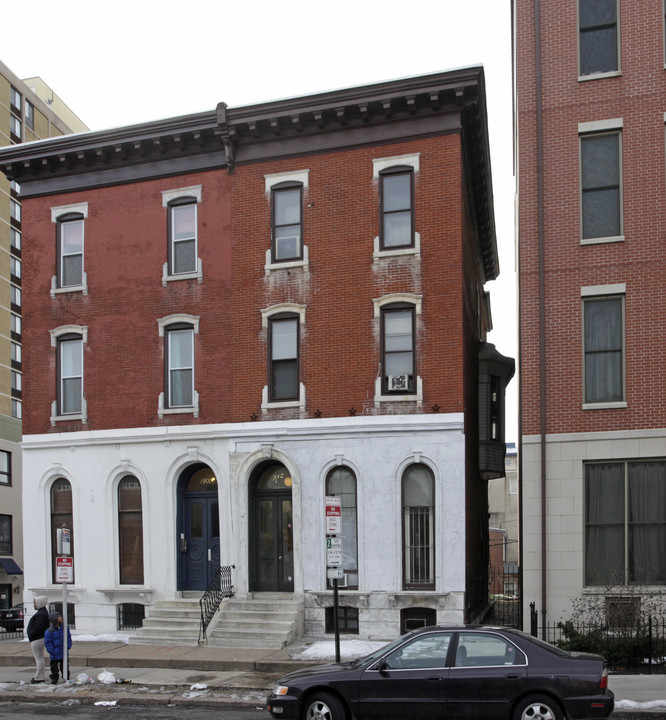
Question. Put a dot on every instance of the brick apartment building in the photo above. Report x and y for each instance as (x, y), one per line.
(232, 315)
(591, 104)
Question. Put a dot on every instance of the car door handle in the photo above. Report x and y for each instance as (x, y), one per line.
(513, 677)
(434, 679)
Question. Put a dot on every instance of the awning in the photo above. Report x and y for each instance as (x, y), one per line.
(11, 568)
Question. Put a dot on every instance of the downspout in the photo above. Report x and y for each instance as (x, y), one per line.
(542, 301)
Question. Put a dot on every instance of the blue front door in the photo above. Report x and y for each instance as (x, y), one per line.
(199, 531)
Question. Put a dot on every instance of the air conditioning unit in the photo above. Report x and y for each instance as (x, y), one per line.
(398, 382)
(287, 248)
(342, 582)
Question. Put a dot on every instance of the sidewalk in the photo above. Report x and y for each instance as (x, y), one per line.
(210, 676)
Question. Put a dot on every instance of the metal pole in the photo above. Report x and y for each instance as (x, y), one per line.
(65, 651)
(336, 620)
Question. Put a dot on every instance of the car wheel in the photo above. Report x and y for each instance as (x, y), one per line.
(323, 706)
(537, 707)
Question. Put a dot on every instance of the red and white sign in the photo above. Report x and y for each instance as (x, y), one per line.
(64, 570)
(333, 515)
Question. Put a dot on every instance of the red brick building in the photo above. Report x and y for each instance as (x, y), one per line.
(590, 101)
(235, 314)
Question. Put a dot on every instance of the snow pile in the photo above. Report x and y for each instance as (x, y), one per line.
(349, 649)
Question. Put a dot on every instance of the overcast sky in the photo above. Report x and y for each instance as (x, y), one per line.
(129, 61)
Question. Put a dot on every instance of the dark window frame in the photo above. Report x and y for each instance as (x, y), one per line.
(276, 190)
(385, 312)
(348, 620)
(590, 353)
(60, 344)
(590, 193)
(392, 172)
(15, 107)
(407, 580)
(29, 115)
(172, 206)
(273, 395)
(354, 571)
(7, 546)
(61, 222)
(130, 522)
(588, 51)
(168, 370)
(6, 475)
(61, 515)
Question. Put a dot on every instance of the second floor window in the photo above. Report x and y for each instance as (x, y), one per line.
(603, 320)
(70, 374)
(183, 236)
(70, 250)
(283, 358)
(397, 217)
(180, 366)
(600, 185)
(398, 361)
(287, 231)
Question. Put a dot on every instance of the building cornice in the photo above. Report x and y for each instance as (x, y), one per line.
(369, 115)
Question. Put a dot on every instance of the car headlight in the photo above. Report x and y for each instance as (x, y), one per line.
(280, 690)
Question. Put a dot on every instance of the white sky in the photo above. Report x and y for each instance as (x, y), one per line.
(124, 62)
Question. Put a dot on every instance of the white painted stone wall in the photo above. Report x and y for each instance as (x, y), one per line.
(378, 449)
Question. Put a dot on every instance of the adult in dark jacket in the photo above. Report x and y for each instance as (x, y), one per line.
(38, 625)
(55, 644)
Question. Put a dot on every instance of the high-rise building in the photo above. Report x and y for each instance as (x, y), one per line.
(29, 111)
(590, 121)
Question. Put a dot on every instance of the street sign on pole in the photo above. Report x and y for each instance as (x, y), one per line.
(333, 515)
(333, 552)
(64, 570)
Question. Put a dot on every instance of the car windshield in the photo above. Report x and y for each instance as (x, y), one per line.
(369, 659)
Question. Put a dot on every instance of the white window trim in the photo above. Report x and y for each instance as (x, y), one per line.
(300, 403)
(56, 333)
(378, 253)
(379, 303)
(168, 196)
(162, 324)
(294, 308)
(600, 291)
(412, 160)
(297, 176)
(56, 213)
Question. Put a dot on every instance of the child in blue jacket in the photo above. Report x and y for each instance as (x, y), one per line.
(54, 643)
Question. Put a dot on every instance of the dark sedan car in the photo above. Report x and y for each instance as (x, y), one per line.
(451, 672)
(12, 618)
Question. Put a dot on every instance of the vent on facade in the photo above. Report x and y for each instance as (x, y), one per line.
(286, 247)
(398, 382)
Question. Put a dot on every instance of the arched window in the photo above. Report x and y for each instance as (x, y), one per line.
(287, 221)
(70, 374)
(70, 250)
(398, 349)
(397, 207)
(283, 341)
(61, 517)
(182, 236)
(130, 531)
(418, 527)
(341, 482)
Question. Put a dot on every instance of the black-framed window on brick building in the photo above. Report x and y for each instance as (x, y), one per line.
(397, 208)
(603, 333)
(283, 357)
(183, 235)
(70, 231)
(398, 349)
(418, 527)
(180, 365)
(625, 523)
(601, 184)
(287, 221)
(130, 531)
(598, 36)
(70, 374)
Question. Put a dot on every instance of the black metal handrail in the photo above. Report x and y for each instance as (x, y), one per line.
(219, 588)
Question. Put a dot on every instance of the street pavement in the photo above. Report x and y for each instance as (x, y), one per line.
(209, 676)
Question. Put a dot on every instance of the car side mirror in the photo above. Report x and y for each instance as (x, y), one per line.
(383, 668)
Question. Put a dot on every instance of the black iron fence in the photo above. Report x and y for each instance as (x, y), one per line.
(635, 647)
(504, 596)
(219, 588)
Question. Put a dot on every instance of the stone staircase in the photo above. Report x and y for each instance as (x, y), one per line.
(266, 620)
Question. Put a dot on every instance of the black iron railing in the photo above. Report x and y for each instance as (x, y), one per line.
(219, 588)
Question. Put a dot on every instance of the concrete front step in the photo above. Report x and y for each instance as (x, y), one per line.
(174, 622)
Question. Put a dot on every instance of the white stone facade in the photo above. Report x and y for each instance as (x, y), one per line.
(377, 449)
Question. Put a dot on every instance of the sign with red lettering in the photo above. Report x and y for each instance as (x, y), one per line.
(333, 515)
(64, 570)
